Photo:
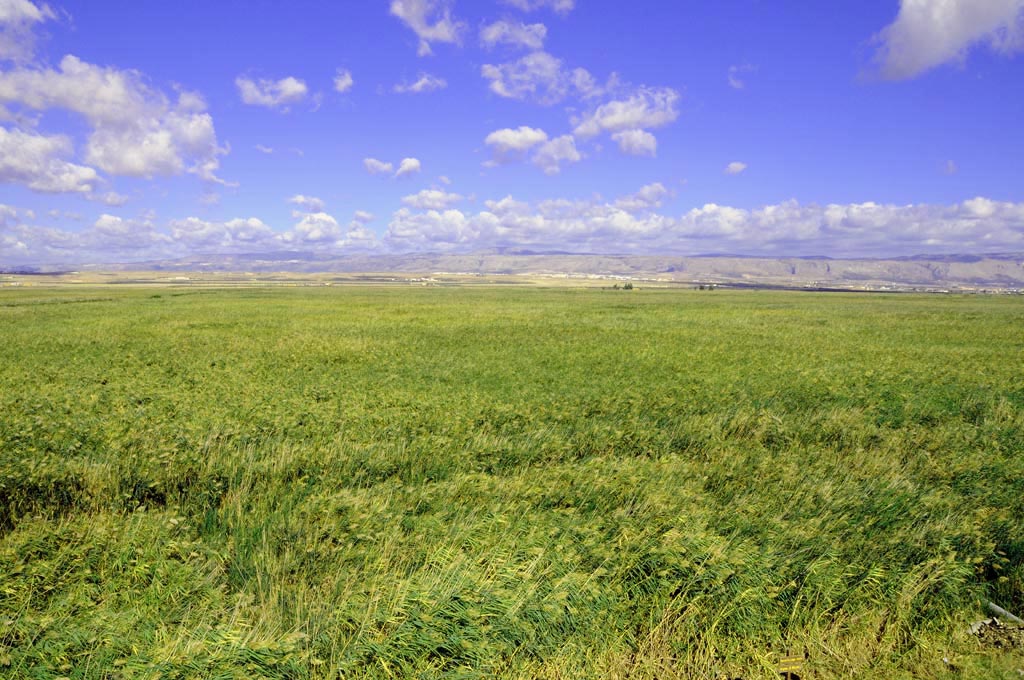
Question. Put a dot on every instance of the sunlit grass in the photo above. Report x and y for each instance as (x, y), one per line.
(515, 483)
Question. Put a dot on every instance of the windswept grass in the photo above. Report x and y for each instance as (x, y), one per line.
(457, 483)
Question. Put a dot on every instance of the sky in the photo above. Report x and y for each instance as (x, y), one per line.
(135, 131)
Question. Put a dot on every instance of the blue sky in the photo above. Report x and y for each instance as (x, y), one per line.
(132, 131)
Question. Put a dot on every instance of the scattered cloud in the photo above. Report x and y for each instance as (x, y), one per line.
(425, 83)
(550, 155)
(509, 140)
(110, 198)
(309, 204)
(631, 225)
(233, 235)
(735, 168)
(648, 107)
(648, 197)
(363, 217)
(376, 167)
(559, 6)
(432, 199)
(929, 33)
(949, 168)
(514, 33)
(636, 142)
(264, 149)
(135, 130)
(39, 162)
(316, 228)
(408, 166)
(430, 20)
(343, 81)
(17, 18)
(737, 73)
(273, 94)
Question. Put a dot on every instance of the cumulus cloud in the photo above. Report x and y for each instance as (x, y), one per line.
(928, 33)
(376, 167)
(560, 6)
(632, 225)
(408, 166)
(542, 78)
(38, 162)
(735, 168)
(307, 203)
(514, 33)
(204, 236)
(317, 228)
(17, 19)
(636, 142)
(648, 197)
(425, 83)
(432, 199)
(430, 20)
(273, 94)
(550, 155)
(343, 81)
(648, 107)
(136, 131)
(509, 140)
(363, 217)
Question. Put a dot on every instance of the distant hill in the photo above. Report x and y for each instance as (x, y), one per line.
(922, 272)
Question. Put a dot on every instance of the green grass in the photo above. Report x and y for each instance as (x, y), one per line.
(517, 483)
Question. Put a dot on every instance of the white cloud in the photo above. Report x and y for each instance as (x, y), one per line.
(515, 139)
(444, 179)
(560, 6)
(648, 107)
(515, 33)
(317, 228)
(430, 20)
(363, 216)
(550, 155)
(273, 94)
(307, 203)
(37, 161)
(928, 33)
(542, 78)
(408, 166)
(448, 229)
(432, 199)
(736, 73)
(343, 81)
(631, 225)
(636, 142)
(735, 168)
(425, 83)
(136, 131)
(17, 18)
(949, 168)
(110, 198)
(647, 197)
(264, 149)
(376, 167)
(537, 76)
(202, 235)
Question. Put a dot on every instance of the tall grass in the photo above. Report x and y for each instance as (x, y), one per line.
(452, 483)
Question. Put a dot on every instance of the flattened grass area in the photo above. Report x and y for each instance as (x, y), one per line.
(515, 483)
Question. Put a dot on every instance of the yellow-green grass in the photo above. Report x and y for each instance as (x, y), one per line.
(515, 483)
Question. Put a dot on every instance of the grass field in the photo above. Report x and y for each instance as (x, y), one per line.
(515, 483)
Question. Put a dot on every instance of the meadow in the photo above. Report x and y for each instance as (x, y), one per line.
(507, 483)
